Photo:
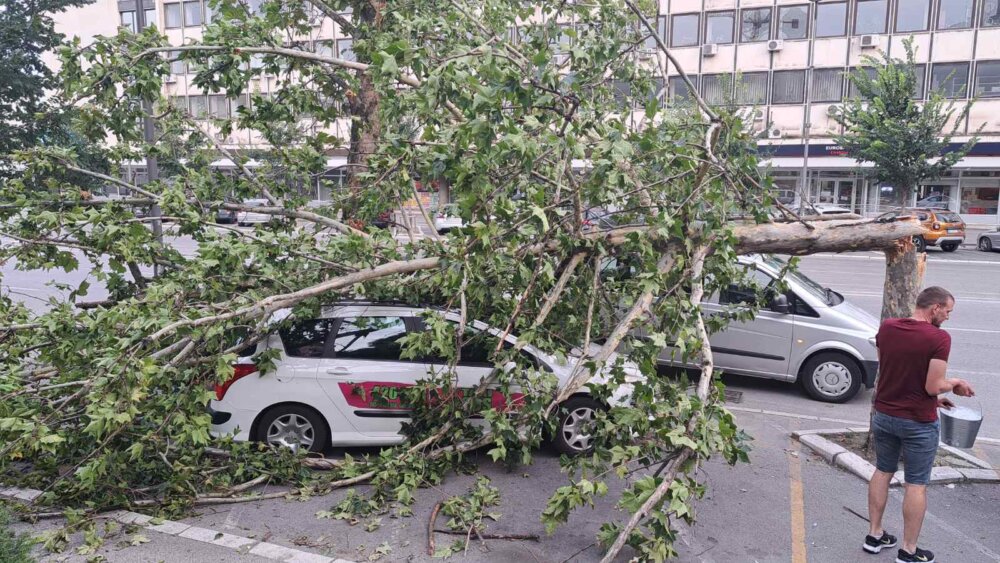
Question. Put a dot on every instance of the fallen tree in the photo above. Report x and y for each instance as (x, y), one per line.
(117, 388)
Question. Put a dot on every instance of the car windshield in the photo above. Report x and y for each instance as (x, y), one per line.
(804, 281)
(948, 217)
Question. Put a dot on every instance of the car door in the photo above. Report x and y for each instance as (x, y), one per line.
(760, 346)
(363, 373)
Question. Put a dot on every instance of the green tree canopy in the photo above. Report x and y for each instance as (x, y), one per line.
(887, 125)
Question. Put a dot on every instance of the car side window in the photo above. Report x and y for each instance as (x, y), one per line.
(306, 339)
(739, 294)
(369, 338)
(801, 308)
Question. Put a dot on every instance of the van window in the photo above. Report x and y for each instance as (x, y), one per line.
(737, 294)
(306, 339)
(369, 338)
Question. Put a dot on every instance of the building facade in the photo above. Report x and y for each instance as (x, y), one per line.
(785, 61)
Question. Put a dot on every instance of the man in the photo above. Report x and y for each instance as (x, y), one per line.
(913, 360)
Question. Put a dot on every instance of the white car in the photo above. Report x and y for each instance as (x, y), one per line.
(824, 209)
(447, 218)
(336, 377)
(245, 218)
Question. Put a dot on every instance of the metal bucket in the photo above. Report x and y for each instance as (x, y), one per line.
(959, 426)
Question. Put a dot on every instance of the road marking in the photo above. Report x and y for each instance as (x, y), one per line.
(960, 298)
(934, 261)
(798, 512)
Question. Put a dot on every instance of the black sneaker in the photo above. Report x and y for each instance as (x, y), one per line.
(920, 556)
(875, 545)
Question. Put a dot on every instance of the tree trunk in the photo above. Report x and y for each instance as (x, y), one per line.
(904, 274)
(366, 123)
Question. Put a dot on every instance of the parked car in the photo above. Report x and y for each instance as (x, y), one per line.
(225, 216)
(246, 218)
(824, 209)
(808, 333)
(321, 389)
(447, 218)
(934, 201)
(989, 241)
(945, 229)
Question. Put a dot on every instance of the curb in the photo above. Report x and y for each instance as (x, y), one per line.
(239, 544)
(837, 455)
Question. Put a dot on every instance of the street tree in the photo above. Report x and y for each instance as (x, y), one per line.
(103, 402)
(908, 142)
(28, 114)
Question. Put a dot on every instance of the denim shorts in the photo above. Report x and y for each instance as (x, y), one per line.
(918, 442)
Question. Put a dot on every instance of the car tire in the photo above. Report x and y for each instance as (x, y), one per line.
(831, 377)
(293, 426)
(949, 246)
(920, 243)
(570, 435)
(985, 244)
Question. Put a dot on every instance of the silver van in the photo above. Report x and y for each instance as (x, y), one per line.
(807, 333)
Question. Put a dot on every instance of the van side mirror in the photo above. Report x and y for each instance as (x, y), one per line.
(781, 305)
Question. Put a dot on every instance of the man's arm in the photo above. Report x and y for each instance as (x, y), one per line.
(937, 383)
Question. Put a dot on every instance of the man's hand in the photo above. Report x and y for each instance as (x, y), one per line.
(963, 389)
(945, 403)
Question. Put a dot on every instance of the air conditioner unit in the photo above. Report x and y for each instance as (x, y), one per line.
(170, 79)
(709, 50)
(646, 54)
(774, 133)
(775, 45)
(869, 41)
(758, 114)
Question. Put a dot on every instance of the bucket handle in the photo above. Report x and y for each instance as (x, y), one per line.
(978, 404)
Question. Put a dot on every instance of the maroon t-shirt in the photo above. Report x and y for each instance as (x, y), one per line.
(905, 350)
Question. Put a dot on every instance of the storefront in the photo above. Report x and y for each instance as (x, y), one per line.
(971, 188)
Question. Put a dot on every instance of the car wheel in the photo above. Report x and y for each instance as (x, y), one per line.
(920, 243)
(949, 246)
(295, 427)
(831, 377)
(985, 244)
(573, 433)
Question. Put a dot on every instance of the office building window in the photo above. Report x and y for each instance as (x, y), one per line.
(853, 90)
(755, 25)
(751, 90)
(345, 49)
(714, 88)
(788, 87)
(128, 21)
(198, 106)
(920, 77)
(218, 106)
(912, 15)
(719, 27)
(991, 13)
(827, 85)
(677, 89)
(177, 66)
(193, 14)
(951, 80)
(870, 17)
(649, 44)
(150, 17)
(831, 19)
(988, 79)
(684, 31)
(955, 14)
(172, 15)
(793, 22)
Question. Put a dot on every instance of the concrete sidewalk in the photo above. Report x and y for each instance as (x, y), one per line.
(785, 505)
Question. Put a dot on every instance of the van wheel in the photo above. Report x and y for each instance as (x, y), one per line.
(576, 419)
(293, 426)
(920, 243)
(831, 377)
(949, 246)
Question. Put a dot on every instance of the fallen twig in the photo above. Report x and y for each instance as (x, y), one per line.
(513, 537)
(430, 529)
